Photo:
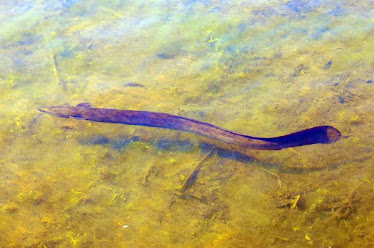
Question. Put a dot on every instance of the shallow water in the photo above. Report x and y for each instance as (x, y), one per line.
(261, 68)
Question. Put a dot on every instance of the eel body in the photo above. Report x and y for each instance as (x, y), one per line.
(83, 111)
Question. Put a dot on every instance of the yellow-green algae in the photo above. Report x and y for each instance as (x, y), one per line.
(255, 67)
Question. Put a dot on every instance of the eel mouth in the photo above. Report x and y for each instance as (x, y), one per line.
(52, 110)
(47, 110)
(44, 109)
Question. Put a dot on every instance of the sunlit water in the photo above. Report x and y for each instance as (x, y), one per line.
(261, 68)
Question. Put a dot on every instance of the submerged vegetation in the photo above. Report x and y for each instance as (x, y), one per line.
(265, 68)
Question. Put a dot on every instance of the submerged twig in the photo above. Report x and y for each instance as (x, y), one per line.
(191, 179)
(56, 71)
(273, 174)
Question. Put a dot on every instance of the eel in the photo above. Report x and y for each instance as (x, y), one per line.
(84, 111)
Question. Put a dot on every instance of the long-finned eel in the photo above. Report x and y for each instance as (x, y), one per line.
(83, 111)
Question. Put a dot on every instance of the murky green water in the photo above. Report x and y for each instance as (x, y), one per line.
(261, 68)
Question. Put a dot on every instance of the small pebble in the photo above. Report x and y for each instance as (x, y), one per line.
(328, 65)
(133, 84)
(165, 55)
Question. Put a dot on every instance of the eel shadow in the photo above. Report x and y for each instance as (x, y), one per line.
(123, 142)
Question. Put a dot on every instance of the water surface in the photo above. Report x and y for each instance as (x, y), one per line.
(262, 68)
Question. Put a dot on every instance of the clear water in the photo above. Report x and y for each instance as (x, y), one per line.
(261, 68)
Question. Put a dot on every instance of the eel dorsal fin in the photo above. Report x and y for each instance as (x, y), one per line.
(84, 105)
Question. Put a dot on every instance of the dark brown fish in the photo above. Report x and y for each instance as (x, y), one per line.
(83, 111)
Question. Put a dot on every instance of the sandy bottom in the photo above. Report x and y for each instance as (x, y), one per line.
(260, 68)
